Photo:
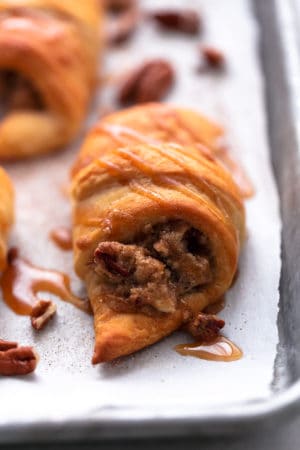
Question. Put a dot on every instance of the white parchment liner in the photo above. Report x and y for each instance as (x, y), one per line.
(65, 384)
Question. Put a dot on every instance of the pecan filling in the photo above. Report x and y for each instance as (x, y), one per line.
(17, 93)
(166, 262)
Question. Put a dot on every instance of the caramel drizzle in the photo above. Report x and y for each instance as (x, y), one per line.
(141, 189)
(221, 153)
(200, 183)
(62, 237)
(118, 132)
(222, 349)
(150, 171)
(21, 282)
(147, 169)
(166, 181)
(144, 168)
(218, 196)
(133, 185)
(160, 121)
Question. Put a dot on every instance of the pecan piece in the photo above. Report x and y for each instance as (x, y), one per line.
(186, 21)
(41, 313)
(15, 360)
(148, 83)
(205, 327)
(119, 5)
(7, 345)
(110, 261)
(212, 58)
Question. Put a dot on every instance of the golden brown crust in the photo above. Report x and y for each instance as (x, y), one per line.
(53, 44)
(151, 123)
(128, 178)
(157, 122)
(122, 334)
(6, 214)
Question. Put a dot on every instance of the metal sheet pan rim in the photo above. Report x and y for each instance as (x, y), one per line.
(237, 418)
(164, 423)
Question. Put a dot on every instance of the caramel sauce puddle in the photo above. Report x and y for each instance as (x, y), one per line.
(62, 237)
(221, 349)
(22, 281)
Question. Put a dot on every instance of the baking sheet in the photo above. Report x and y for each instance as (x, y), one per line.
(65, 385)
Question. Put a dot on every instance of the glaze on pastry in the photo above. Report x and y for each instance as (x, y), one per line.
(158, 225)
(48, 62)
(163, 123)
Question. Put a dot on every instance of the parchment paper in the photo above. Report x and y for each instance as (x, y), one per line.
(157, 379)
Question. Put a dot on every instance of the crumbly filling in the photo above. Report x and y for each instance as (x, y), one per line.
(166, 262)
(17, 93)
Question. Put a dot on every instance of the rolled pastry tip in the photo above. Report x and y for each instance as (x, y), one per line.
(48, 69)
(158, 226)
(6, 214)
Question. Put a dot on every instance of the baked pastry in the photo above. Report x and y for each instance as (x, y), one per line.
(158, 226)
(48, 63)
(162, 123)
(6, 214)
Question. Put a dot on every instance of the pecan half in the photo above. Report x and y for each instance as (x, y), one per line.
(186, 21)
(15, 360)
(212, 58)
(205, 327)
(41, 313)
(149, 82)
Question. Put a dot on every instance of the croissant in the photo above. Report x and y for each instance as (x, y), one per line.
(158, 225)
(48, 64)
(6, 214)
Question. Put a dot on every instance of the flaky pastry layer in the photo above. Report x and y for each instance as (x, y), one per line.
(158, 225)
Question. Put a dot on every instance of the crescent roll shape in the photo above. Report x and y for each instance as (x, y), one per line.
(158, 225)
(48, 65)
(6, 214)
